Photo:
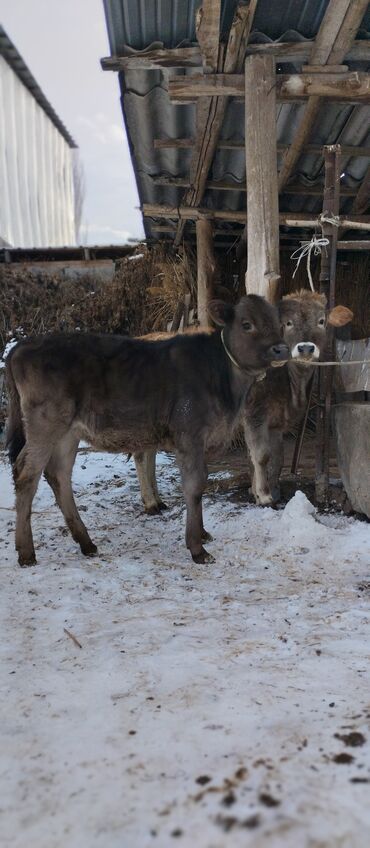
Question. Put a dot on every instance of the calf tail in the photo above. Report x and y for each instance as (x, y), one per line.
(15, 436)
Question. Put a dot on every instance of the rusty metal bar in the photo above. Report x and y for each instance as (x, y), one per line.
(332, 156)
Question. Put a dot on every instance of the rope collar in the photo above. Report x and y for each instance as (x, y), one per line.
(234, 361)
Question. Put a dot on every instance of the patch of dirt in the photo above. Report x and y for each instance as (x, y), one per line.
(353, 739)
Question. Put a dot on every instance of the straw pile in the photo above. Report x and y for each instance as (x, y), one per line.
(142, 297)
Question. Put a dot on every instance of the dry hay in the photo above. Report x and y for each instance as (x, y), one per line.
(142, 297)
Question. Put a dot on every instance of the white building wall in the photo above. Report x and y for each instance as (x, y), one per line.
(36, 171)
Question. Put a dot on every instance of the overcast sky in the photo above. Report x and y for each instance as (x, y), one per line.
(62, 42)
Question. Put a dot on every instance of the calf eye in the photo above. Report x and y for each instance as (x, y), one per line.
(321, 322)
(247, 325)
(289, 324)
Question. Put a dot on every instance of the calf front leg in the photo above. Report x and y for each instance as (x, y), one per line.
(258, 441)
(193, 470)
(275, 463)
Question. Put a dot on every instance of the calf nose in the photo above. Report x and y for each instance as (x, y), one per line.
(279, 351)
(306, 349)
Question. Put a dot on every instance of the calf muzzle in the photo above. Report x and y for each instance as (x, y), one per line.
(279, 352)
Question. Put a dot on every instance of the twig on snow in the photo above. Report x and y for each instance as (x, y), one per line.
(71, 636)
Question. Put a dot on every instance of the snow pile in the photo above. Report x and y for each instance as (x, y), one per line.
(300, 522)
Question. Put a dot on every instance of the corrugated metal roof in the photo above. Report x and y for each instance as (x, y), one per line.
(149, 114)
(14, 59)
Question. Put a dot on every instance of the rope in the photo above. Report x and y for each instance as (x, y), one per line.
(325, 218)
(309, 363)
(315, 245)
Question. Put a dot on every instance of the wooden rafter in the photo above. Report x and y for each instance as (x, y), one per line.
(225, 144)
(191, 57)
(353, 86)
(207, 27)
(227, 185)
(211, 113)
(287, 219)
(362, 199)
(331, 46)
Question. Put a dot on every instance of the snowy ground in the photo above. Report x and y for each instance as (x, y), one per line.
(209, 706)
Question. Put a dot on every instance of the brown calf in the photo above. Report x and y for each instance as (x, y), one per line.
(278, 403)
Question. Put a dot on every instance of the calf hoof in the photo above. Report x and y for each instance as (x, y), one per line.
(89, 550)
(203, 557)
(264, 500)
(26, 560)
(155, 509)
(206, 537)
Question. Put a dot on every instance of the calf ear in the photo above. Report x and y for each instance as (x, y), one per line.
(220, 312)
(339, 316)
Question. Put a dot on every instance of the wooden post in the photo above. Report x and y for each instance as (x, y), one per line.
(206, 268)
(332, 155)
(263, 271)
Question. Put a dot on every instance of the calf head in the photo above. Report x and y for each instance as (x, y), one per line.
(251, 331)
(304, 321)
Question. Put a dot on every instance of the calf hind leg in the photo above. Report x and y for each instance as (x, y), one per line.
(145, 469)
(27, 471)
(58, 473)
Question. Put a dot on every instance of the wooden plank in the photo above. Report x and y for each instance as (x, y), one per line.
(301, 51)
(263, 271)
(229, 144)
(362, 199)
(227, 185)
(210, 116)
(327, 50)
(325, 69)
(206, 269)
(179, 57)
(355, 378)
(360, 244)
(354, 86)
(329, 31)
(191, 57)
(287, 219)
(207, 28)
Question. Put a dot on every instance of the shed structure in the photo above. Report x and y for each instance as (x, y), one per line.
(37, 155)
(249, 129)
(227, 109)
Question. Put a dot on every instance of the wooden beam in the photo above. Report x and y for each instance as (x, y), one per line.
(229, 144)
(191, 57)
(206, 269)
(361, 244)
(297, 52)
(354, 86)
(179, 57)
(263, 271)
(286, 219)
(362, 199)
(211, 113)
(227, 185)
(207, 28)
(332, 43)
